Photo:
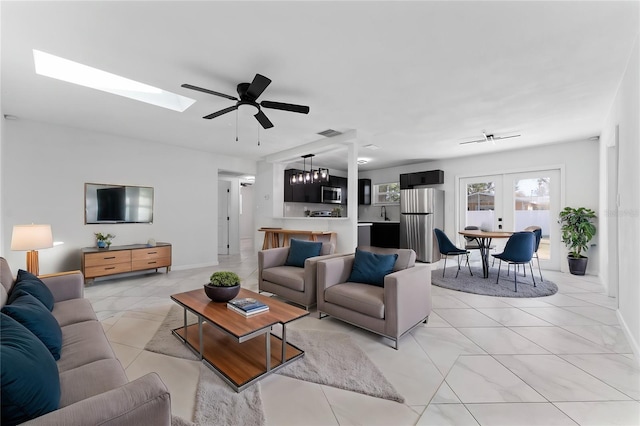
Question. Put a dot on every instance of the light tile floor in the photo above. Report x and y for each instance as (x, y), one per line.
(557, 360)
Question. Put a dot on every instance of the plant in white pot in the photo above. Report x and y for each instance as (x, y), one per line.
(222, 286)
(577, 230)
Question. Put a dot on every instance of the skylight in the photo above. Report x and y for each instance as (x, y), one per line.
(73, 72)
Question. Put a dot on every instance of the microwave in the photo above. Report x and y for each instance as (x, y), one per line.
(331, 194)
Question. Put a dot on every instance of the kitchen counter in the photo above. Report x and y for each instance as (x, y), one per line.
(379, 233)
(272, 236)
(380, 221)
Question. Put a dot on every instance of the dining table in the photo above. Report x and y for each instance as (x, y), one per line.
(484, 243)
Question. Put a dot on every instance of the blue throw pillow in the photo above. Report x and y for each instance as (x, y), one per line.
(371, 268)
(300, 250)
(28, 311)
(30, 380)
(34, 286)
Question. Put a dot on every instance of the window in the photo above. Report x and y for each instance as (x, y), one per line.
(386, 193)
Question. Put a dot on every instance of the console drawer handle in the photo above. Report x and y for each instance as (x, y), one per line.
(152, 252)
(112, 257)
(112, 267)
(151, 263)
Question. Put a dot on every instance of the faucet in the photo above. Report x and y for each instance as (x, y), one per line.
(383, 213)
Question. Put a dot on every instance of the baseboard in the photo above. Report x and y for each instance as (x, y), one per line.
(194, 266)
(632, 341)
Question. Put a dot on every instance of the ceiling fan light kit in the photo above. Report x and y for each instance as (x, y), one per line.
(246, 102)
(246, 110)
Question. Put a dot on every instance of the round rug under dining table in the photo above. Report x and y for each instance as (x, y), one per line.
(488, 287)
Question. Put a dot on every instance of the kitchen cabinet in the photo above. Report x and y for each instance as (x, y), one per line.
(340, 182)
(300, 193)
(385, 234)
(310, 192)
(364, 234)
(288, 188)
(364, 192)
(431, 177)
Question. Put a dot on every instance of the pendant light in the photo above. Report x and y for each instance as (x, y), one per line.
(320, 175)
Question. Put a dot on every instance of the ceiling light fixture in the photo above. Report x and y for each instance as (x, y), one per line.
(246, 110)
(490, 138)
(320, 175)
(371, 146)
(83, 75)
(363, 160)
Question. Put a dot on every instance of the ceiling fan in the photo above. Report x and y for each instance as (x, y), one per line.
(489, 138)
(248, 94)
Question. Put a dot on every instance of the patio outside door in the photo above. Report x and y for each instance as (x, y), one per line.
(512, 202)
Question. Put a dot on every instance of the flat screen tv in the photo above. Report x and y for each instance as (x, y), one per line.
(117, 203)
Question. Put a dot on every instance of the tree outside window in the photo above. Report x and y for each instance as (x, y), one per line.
(386, 193)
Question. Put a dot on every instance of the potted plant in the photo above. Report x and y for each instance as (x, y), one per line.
(222, 286)
(103, 240)
(577, 230)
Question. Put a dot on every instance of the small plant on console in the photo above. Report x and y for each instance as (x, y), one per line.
(104, 240)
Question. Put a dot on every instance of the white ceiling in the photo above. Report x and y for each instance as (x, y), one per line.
(414, 78)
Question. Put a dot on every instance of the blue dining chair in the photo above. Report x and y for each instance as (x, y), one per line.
(537, 231)
(518, 251)
(447, 248)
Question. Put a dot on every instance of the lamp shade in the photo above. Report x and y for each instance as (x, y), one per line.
(31, 237)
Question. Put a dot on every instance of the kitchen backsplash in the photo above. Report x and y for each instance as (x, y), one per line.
(376, 213)
(298, 209)
(365, 213)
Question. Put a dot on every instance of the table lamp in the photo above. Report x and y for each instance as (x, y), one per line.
(31, 238)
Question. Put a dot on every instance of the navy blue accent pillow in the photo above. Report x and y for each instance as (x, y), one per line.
(30, 380)
(371, 268)
(28, 311)
(34, 286)
(300, 250)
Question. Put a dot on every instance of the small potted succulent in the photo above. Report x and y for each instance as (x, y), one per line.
(222, 286)
(103, 240)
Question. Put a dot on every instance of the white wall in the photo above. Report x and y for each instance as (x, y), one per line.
(247, 224)
(44, 168)
(624, 113)
(580, 161)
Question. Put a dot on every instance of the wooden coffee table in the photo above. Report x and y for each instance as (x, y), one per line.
(240, 350)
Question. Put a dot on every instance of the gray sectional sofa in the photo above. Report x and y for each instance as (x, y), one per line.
(94, 388)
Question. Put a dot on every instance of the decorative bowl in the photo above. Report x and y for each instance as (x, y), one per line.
(221, 294)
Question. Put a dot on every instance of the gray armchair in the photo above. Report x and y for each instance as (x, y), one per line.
(392, 310)
(292, 283)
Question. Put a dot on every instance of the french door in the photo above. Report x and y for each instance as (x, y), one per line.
(512, 202)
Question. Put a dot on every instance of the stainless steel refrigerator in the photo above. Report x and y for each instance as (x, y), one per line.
(421, 210)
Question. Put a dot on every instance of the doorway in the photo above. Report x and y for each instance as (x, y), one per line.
(512, 202)
(224, 190)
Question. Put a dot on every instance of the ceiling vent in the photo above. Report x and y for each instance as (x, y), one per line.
(329, 133)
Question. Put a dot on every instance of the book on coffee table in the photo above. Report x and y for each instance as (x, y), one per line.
(247, 306)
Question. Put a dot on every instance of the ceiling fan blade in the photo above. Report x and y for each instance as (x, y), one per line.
(285, 107)
(221, 112)
(506, 137)
(476, 141)
(258, 85)
(264, 121)
(211, 92)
